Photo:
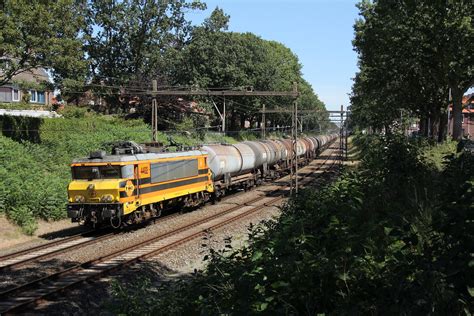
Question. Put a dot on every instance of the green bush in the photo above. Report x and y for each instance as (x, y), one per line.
(23, 216)
(21, 106)
(75, 112)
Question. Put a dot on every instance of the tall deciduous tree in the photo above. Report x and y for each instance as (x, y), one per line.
(221, 60)
(127, 39)
(410, 55)
(41, 33)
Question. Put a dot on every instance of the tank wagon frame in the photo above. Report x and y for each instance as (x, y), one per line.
(131, 185)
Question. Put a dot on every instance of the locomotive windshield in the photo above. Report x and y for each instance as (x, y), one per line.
(96, 172)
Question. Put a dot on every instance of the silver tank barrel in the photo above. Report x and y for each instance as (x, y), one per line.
(300, 148)
(249, 158)
(283, 148)
(246, 156)
(273, 152)
(223, 159)
(315, 143)
(280, 148)
(260, 152)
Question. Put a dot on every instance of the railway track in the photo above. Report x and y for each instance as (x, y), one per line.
(50, 249)
(16, 299)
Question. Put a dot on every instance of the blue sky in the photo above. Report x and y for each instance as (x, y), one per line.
(318, 31)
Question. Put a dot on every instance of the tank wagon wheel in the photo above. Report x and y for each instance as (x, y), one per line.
(218, 194)
(115, 222)
(215, 196)
(248, 185)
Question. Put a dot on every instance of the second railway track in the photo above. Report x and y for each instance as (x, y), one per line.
(15, 299)
(54, 248)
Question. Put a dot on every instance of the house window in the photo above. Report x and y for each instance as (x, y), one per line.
(15, 95)
(33, 97)
(5, 94)
(40, 97)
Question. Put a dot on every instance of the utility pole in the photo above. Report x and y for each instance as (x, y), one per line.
(220, 115)
(341, 139)
(295, 148)
(294, 132)
(154, 112)
(223, 93)
(347, 129)
(264, 125)
(223, 119)
(293, 152)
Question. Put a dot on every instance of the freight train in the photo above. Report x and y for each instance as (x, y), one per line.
(132, 184)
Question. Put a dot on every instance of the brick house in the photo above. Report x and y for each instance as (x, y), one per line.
(12, 92)
(467, 117)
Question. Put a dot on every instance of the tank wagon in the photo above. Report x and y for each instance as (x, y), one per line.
(131, 184)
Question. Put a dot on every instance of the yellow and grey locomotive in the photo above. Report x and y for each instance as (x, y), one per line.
(131, 185)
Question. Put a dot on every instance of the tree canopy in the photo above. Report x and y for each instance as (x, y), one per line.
(42, 33)
(410, 55)
(114, 49)
(126, 39)
(220, 60)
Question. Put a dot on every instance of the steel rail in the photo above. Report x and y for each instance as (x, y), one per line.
(42, 246)
(88, 242)
(29, 286)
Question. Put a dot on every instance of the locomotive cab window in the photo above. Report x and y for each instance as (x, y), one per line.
(127, 172)
(96, 172)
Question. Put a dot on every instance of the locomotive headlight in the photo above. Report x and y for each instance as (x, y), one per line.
(80, 199)
(107, 198)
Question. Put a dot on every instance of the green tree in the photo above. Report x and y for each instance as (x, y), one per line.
(41, 33)
(410, 55)
(308, 100)
(127, 40)
(221, 60)
(218, 21)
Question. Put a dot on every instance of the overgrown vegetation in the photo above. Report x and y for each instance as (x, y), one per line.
(393, 237)
(35, 157)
